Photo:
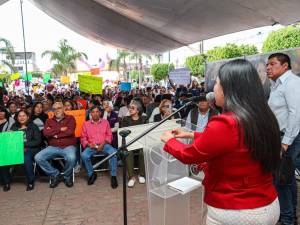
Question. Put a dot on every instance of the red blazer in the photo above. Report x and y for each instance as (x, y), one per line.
(233, 180)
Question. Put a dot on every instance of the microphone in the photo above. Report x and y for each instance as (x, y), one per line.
(195, 99)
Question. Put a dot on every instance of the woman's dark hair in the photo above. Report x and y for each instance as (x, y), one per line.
(16, 117)
(34, 105)
(244, 97)
(71, 102)
(3, 109)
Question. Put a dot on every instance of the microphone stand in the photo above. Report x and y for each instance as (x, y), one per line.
(122, 152)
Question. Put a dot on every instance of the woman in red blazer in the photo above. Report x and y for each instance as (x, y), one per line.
(241, 149)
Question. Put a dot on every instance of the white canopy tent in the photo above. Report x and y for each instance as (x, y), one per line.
(154, 26)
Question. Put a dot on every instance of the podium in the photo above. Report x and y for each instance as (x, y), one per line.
(167, 205)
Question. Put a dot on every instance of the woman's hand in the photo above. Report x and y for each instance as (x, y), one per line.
(180, 133)
(166, 136)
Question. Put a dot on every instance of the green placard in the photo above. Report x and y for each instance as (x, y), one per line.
(11, 148)
(47, 77)
(29, 76)
(90, 84)
(1, 85)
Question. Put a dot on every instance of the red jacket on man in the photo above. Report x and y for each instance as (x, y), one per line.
(233, 179)
(58, 138)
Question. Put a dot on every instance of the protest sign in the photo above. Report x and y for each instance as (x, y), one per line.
(28, 77)
(1, 84)
(47, 77)
(90, 84)
(65, 79)
(95, 71)
(15, 76)
(125, 86)
(79, 116)
(11, 148)
(180, 76)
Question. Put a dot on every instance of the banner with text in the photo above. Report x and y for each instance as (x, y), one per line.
(180, 76)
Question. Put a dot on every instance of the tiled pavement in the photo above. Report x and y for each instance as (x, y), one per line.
(80, 205)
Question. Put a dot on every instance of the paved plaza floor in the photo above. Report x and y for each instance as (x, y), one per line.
(80, 205)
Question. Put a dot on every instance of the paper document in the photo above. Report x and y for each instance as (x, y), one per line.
(184, 185)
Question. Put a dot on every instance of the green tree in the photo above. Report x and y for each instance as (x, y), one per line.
(65, 58)
(161, 71)
(196, 64)
(288, 37)
(230, 51)
(120, 61)
(7, 50)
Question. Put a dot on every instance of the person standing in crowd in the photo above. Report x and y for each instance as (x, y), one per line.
(198, 118)
(241, 148)
(32, 141)
(59, 132)
(112, 118)
(6, 122)
(135, 118)
(285, 103)
(96, 137)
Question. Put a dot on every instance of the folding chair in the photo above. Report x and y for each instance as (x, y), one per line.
(61, 162)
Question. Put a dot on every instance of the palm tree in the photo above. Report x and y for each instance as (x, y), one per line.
(9, 53)
(65, 58)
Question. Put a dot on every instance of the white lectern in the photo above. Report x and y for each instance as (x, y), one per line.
(167, 205)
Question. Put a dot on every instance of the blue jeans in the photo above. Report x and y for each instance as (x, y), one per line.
(28, 167)
(87, 154)
(287, 194)
(68, 153)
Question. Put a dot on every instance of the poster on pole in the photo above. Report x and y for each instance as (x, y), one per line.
(180, 76)
(11, 148)
(65, 79)
(90, 84)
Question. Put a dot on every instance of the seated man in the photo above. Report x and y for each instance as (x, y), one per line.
(96, 137)
(62, 143)
(198, 117)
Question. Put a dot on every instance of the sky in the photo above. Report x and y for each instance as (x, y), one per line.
(43, 33)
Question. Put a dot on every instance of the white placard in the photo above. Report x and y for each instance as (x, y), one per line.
(180, 76)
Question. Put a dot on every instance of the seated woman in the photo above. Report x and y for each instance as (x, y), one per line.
(135, 118)
(165, 109)
(69, 105)
(113, 120)
(6, 121)
(32, 141)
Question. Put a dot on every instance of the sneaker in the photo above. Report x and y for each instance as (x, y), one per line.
(77, 168)
(6, 187)
(142, 180)
(131, 182)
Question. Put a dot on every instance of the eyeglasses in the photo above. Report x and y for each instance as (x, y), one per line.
(57, 108)
(166, 106)
(132, 107)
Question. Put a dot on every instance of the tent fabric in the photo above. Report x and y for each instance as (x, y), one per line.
(154, 26)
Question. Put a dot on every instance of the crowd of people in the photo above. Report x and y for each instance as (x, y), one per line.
(241, 138)
(49, 132)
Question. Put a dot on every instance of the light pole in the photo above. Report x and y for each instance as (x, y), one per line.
(24, 44)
